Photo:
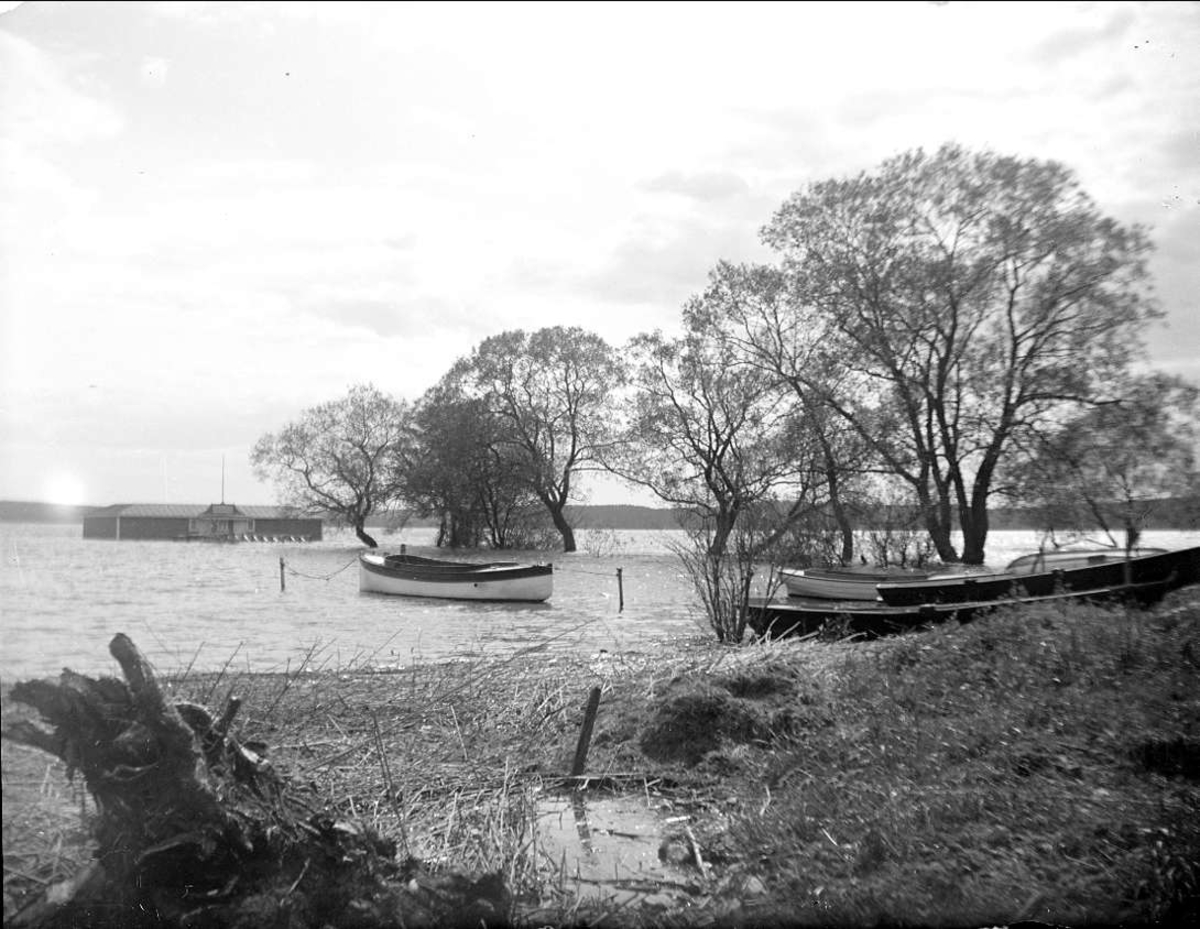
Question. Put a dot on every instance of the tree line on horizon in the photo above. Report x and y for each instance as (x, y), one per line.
(947, 331)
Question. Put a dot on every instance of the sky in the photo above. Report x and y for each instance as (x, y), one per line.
(216, 215)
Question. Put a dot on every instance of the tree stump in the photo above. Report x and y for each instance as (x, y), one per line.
(195, 829)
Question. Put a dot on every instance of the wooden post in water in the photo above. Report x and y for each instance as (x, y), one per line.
(585, 734)
(282, 581)
(620, 592)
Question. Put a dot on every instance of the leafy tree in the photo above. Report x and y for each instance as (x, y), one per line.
(463, 472)
(1109, 465)
(704, 431)
(959, 299)
(551, 391)
(708, 432)
(342, 457)
(750, 307)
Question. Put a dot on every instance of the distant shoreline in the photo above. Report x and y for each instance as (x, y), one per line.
(1165, 515)
(601, 516)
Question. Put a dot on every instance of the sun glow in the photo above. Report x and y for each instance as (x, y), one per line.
(64, 489)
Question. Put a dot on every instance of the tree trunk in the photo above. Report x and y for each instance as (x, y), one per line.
(722, 529)
(842, 519)
(840, 516)
(364, 536)
(194, 829)
(975, 524)
(565, 529)
(937, 522)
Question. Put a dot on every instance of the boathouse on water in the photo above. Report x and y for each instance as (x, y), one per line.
(184, 522)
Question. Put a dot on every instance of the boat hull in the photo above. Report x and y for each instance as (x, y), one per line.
(840, 584)
(957, 588)
(401, 576)
(772, 619)
(1173, 568)
(1039, 576)
(1064, 560)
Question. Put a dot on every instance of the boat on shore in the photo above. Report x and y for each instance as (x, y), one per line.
(848, 583)
(948, 588)
(1043, 574)
(405, 575)
(1071, 558)
(774, 618)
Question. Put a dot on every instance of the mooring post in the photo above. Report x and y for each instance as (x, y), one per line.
(282, 581)
(620, 592)
(585, 734)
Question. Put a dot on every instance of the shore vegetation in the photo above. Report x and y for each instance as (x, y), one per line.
(1030, 765)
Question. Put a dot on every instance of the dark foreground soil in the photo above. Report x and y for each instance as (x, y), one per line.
(1027, 766)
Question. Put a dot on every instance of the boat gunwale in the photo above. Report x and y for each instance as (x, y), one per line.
(796, 617)
(1149, 568)
(467, 575)
(1086, 558)
(852, 575)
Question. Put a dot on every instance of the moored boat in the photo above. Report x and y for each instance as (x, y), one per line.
(948, 587)
(1030, 576)
(413, 576)
(1071, 558)
(1045, 572)
(849, 583)
(796, 616)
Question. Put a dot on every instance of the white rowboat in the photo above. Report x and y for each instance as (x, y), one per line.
(412, 576)
(851, 583)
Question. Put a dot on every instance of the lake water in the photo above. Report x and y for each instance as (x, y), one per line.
(63, 597)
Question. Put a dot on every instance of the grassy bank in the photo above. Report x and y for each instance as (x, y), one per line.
(1029, 765)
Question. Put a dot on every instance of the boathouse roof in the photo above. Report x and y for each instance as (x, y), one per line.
(191, 510)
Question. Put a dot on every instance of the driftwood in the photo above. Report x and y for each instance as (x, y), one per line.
(195, 829)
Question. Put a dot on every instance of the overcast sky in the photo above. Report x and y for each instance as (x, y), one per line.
(213, 216)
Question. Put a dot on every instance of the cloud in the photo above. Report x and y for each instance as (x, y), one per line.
(665, 266)
(706, 187)
(396, 318)
(1179, 157)
(1066, 44)
(154, 71)
(41, 104)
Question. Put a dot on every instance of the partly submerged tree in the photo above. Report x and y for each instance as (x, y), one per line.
(709, 433)
(552, 392)
(465, 475)
(342, 457)
(749, 309)
(704, 431)
(1109, 466)
(960, 299)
